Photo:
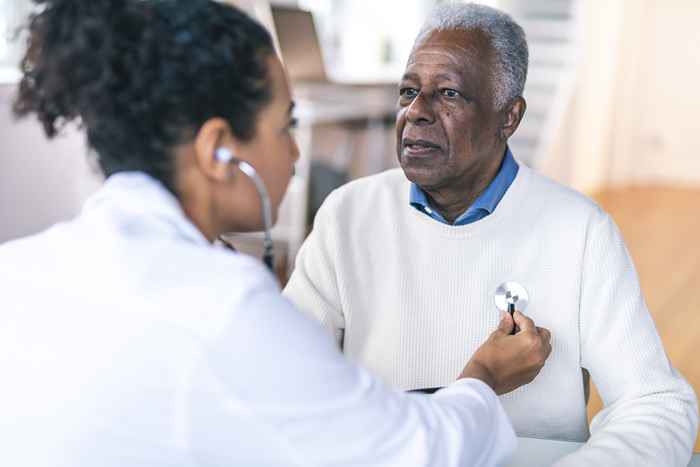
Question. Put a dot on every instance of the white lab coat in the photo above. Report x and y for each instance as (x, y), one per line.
(126, 339)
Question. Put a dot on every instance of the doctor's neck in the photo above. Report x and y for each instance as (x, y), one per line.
(203, 219)
(196, 198)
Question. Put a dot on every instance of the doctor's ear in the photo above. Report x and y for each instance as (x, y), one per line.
(215, 147)
(512, 115)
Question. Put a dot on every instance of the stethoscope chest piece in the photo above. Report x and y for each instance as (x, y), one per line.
(511, 296)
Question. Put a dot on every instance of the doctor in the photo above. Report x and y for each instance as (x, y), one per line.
(127, 337)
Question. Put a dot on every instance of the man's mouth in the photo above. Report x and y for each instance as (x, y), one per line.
(419, 147)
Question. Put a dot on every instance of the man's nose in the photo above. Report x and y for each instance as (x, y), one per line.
(420, 112)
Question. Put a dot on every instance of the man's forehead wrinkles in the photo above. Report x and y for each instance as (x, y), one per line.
(472, 49)
(448, 52)
(436, 58)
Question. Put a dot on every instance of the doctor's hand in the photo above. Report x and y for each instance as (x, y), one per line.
(505, 362)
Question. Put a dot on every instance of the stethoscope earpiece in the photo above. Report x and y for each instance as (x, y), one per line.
(225, 156)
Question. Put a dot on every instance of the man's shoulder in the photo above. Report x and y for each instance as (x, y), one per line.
(553, 196)
(390, 186)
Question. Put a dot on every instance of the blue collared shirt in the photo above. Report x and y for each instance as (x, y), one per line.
(484, 205)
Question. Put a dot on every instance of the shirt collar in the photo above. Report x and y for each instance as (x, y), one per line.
(141, 195)
(486, 202)
(492, 195)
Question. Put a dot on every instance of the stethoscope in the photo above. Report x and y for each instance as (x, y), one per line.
(511, 296)
(225, 156)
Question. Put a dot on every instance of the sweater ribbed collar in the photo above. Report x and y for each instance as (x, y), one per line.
(506, 215)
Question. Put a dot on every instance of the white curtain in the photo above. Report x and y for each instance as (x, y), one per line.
(633, 119)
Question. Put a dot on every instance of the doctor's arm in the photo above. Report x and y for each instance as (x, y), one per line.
(281, 374)
(651, 414)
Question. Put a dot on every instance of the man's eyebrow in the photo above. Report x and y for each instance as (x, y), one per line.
(291, 107)
(410, 76)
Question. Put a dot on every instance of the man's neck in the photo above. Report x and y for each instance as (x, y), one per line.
(451, 202)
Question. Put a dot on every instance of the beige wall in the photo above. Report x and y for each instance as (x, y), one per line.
(658, 96)
(632, 119)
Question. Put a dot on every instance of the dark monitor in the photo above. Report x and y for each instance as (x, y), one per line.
(299, 44)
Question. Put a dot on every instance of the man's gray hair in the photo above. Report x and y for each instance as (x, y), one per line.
(505, 35)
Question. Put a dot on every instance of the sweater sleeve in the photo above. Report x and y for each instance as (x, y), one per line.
(313, 286)
(281, 389)
(650, 415)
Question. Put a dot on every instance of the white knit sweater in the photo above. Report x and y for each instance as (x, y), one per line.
(412, 299)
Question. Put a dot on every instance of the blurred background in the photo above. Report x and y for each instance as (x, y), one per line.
(612, 94)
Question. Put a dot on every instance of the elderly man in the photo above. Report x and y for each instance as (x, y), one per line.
(402, 266)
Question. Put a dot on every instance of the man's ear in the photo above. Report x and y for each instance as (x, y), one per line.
(215, 133)
(512, 115)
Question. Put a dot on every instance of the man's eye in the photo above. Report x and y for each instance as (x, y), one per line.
(451, 93)
(409, 93)
(293, 123)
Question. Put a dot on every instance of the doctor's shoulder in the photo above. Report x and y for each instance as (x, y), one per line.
(206, 289)
(27, 253)
(233, 271)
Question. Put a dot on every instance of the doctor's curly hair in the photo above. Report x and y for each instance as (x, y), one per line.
(141, 76)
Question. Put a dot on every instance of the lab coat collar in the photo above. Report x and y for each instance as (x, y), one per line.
(140, 194)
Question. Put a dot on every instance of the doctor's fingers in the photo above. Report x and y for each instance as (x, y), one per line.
(524, 323)
(505, 326)
(546, 338)
(544, 334)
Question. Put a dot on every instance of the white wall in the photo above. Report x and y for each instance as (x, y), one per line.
(580, 156)
(41, 181)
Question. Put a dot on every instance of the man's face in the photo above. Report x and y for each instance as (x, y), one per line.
(447, 125)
